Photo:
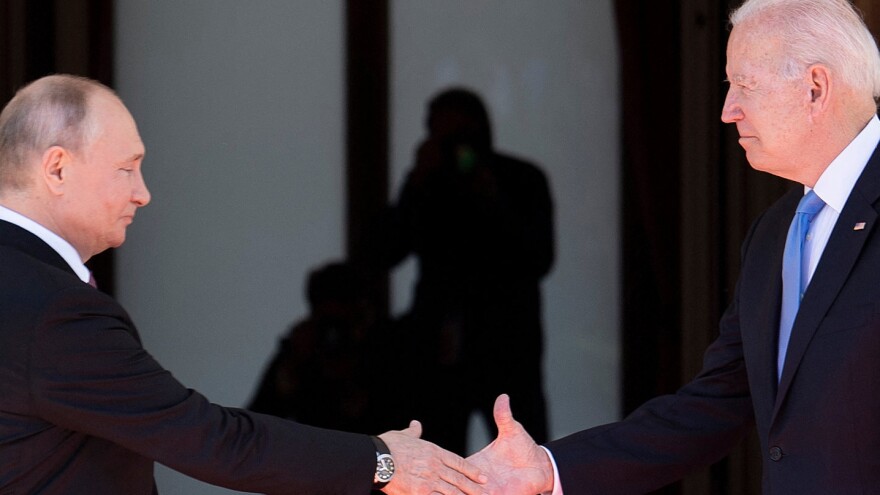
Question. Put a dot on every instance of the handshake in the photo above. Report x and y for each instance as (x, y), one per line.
(513, 464)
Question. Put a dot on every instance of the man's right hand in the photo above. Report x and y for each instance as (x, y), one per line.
(515, 464)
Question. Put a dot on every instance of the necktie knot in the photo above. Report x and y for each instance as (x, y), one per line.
(810, 204)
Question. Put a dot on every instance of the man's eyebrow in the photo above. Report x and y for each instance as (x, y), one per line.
(133, 158)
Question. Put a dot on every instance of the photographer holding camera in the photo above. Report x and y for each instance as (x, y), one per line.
(480, 224)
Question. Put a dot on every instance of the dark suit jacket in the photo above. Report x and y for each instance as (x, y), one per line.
(84, 409)
(819, 428)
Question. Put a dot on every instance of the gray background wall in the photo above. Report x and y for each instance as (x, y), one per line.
(241, 107)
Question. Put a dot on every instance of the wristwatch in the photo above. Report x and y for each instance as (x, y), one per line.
(384, 464)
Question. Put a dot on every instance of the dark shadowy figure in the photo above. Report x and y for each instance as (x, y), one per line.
(480, 225)
(324, 368)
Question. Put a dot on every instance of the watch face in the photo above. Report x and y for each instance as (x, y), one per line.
(384, 468)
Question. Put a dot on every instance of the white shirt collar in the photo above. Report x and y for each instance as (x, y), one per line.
(837, 181)
(62, 247)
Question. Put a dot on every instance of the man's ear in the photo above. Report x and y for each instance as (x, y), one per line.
(819, 79)
(54, 168)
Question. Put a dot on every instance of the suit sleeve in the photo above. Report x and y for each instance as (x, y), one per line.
(89, 373)
(670, 436)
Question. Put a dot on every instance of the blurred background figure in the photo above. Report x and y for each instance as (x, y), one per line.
(323, 371)
(480, 224)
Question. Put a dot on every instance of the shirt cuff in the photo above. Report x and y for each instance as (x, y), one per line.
(557, 486)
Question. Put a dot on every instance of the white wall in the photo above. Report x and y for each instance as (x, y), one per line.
(548, 72)
(241, 107)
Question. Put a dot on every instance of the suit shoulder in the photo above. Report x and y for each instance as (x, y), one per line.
(22, 269)
(518, 163)
(771, 225)
(781, 210)
(521, 170)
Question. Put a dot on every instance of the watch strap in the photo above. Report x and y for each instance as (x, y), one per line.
(382, 451)
(381, 446)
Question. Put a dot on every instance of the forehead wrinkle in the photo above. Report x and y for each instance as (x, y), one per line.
(742, 79)
(737, 78)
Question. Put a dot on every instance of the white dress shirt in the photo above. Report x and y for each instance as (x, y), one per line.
(833, 187)
(62, 247)
(557, 486)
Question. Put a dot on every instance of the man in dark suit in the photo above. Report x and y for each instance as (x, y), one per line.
(84, 409)
(797, 354)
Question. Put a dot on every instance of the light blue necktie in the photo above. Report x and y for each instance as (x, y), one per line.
(793, 276)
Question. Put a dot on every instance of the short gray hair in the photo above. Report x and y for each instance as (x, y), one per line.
(829, 32)
(51, 111)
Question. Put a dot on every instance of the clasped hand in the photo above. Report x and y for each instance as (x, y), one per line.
(425, 468)
(513, 464)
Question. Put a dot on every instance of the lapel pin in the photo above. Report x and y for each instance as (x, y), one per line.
(859, 226)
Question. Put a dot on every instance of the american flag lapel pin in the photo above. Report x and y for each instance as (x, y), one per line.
(859, 226)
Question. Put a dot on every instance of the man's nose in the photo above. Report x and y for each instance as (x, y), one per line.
(140, 194)
(731, 112)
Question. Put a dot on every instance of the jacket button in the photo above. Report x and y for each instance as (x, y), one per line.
(775, 453)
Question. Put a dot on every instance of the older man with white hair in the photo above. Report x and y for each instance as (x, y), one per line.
(798, 350)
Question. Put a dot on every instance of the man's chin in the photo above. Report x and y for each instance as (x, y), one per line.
(115, 242)
(755, 161)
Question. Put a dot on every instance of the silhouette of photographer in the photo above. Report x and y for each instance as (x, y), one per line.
(480, 224)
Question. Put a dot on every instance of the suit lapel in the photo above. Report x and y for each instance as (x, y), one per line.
(838, 259)
(759, 298)
(769, 313)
